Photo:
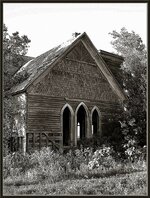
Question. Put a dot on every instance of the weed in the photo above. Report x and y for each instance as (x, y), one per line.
(34, 173)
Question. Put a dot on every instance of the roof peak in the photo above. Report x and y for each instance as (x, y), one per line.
(42, 64)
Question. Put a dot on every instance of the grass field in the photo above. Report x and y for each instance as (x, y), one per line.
(123, 184)
(48, 173)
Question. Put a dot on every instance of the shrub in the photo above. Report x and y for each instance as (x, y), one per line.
(79, 156)
(134, 152)
(77, 163)
(101, 157)
(15, 161)
(49, 164)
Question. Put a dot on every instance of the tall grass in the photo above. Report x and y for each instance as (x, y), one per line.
(52, 167)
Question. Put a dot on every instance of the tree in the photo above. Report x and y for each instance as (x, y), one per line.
(131, 47)
(14, 49)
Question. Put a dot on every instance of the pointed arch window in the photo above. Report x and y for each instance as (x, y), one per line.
(67, 124)
(96, 127)
(81, 122)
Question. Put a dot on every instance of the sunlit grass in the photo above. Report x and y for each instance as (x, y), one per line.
(127, 184)
(50, 173)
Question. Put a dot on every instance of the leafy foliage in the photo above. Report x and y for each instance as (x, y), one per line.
(46, 167)
(75, 162)
(131, 47)
(14, 49)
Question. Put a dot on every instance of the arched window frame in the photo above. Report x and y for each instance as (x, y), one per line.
(72, 122)
(99, 120)
(87, 120)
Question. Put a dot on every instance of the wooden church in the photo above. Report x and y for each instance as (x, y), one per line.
(69, 93)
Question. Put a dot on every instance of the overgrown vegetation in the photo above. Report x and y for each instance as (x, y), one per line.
(134, 78)
(45, 167)
(15, 48)
(114, 164)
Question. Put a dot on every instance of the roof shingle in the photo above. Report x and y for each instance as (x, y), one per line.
(36, 66)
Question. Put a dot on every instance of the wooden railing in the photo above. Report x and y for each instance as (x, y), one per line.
(36, 140)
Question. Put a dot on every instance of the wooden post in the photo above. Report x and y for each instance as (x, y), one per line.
(40, 140)
(12, 144)
(18, 144)
(33, 136)
(46, 141)
(27, 139)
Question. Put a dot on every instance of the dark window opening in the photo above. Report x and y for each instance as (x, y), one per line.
(95, 122)
(66, 127)
(81, 123)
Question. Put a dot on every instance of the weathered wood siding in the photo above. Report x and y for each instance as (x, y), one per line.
(44, 116)
(76, 79)
(73, 80)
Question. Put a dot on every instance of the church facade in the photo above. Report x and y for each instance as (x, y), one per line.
(70, 93)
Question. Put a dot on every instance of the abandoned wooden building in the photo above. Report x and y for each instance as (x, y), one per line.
(69, 93)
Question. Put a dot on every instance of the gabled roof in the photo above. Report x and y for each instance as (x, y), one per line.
(114, 62)
(38, 66)
(108, 55)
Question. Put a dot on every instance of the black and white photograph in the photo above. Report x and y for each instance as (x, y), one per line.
(74, 99)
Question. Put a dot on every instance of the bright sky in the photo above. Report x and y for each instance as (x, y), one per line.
(50, 24)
